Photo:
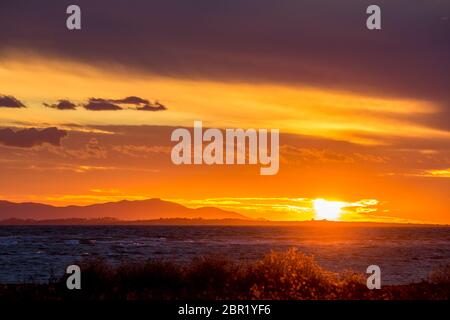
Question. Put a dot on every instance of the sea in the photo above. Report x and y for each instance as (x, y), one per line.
(40, 253)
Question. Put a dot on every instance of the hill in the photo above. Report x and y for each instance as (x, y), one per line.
(123, 210)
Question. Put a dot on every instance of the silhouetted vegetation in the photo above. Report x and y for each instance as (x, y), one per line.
(279, 275)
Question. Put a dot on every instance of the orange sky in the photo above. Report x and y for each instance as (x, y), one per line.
(363, 114)
(336, 145)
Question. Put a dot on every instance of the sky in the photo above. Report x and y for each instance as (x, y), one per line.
(86, 116)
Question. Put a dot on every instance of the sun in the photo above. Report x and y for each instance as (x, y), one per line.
(329, 210)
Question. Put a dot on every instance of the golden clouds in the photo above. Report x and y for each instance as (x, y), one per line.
(292, 109)
(293, 209)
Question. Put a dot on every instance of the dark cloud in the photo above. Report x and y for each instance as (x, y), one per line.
(100, 100)
(149, 107)
(96, 104)
(113, 104)
(321, 43)
(30, 137)
(131, 100)
(62, 105)
(10, 102)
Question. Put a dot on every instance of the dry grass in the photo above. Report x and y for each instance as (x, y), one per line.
(288, 275)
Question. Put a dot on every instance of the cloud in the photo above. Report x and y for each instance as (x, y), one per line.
(315, 43)
(101, 104)
(62, 105)
(136, 151)
(148, 107)
(286, 208)
(10, 102)
(30, 137)
(140, 104)
(131, 100)
(96, 104)
(295, 154)
(91, 150)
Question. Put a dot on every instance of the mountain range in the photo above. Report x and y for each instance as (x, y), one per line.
(123, 210)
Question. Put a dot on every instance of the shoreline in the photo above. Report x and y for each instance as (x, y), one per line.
(106, 221)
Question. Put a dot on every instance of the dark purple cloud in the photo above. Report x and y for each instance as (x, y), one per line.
(131, 100)
(320, 43)
(149, 107)
(10, 102)
(128, 100)
(62, 105)
(100, 100)
(30, 137)
(141, 104)
(96, 104)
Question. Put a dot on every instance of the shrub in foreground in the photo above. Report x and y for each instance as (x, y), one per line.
(288, 275)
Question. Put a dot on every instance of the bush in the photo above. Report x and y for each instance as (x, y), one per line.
(279, 275)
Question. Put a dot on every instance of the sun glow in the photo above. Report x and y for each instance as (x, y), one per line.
(329, 210)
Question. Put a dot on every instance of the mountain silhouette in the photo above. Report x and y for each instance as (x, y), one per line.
(123, 210)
